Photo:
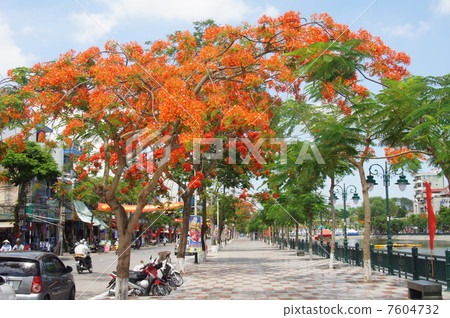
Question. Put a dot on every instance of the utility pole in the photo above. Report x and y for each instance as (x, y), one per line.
(218, 228)
(62, 217)
(195, 202)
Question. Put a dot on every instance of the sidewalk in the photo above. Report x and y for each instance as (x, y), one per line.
(248, 269)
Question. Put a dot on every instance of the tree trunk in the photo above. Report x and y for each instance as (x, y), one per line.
(333, 223)
(366, 244)
(123, 264)
(311, 236)
(125, 229)
(204, 225)
(123, 261)
(287, 238)
(187, 196)
(19, 205)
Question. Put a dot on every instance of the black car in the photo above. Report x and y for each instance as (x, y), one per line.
(37, 275)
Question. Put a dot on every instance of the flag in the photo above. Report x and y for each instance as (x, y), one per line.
(431, 216)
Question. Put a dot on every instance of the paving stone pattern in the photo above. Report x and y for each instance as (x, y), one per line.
(248, 269)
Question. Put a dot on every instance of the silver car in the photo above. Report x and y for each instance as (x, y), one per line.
(37, 275)
(6, 291)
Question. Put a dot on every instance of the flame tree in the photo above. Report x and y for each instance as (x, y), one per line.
(135, 111)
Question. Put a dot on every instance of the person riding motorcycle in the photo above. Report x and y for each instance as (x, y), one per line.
(83, 249)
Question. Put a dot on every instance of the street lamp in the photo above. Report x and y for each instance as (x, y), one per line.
(402, 183)
(351, 189)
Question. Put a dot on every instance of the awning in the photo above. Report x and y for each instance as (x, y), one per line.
(4, 225)
(147, 208)
(86, 215)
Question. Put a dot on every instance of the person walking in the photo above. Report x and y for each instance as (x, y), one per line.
(19, 246)
(6, 247)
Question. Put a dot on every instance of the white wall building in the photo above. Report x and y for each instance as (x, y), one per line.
(441, 196)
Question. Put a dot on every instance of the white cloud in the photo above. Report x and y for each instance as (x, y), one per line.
(408, 30)
(27, 29)
(93, 26)
(442, 6)
(271, 11)
(11, 55)
(117, 12)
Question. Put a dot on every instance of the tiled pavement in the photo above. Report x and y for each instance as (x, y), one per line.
(248, 269)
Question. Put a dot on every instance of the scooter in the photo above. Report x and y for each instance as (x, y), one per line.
(143, 282)
(83, 263)
(169, 274)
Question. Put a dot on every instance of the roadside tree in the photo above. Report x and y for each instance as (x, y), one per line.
(136, 110)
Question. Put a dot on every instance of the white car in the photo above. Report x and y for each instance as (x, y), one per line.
(188, 250)
(6, 291)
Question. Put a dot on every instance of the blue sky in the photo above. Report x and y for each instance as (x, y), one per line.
(35, 31)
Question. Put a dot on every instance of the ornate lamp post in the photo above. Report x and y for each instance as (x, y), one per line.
(386, 174)
(351, 189)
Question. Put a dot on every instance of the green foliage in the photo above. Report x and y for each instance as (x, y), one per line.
(329, 61)
(416, 114)
(200, 28)
(34, 162)
(419, 221)
(397, 225)
(157, 220)
(256, 224)
(443, 219)
(398, 207)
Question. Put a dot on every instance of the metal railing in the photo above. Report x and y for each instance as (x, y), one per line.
(409, 265)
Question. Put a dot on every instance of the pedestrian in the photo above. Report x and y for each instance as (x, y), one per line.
(19, 246)
(6, 247)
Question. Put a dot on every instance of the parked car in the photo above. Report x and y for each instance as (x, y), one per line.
(6, 291)
(177, 243)
(37, 275)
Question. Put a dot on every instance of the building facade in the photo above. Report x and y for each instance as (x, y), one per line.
(440, 193)
(40, 218)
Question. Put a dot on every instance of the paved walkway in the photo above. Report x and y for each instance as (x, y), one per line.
(248, 269)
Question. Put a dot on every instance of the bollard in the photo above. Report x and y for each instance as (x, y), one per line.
(415, 257)
(357, 254)
(389, 255)
(372, 257)
(345, 251)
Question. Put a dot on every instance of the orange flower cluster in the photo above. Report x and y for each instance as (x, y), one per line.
(187, 166)
(228, 87)
(196, 181)
(397, 155)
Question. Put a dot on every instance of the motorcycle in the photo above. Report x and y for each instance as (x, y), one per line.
(83, 263)
(168, 272)
(95, 247)
(136, 244)
(142, 282)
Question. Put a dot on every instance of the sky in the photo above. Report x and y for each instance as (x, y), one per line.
(36, 31)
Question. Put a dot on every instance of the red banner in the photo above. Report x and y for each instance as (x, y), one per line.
(431, 216)
(147, 208)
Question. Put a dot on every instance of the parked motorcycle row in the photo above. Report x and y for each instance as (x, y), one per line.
(157, 278)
